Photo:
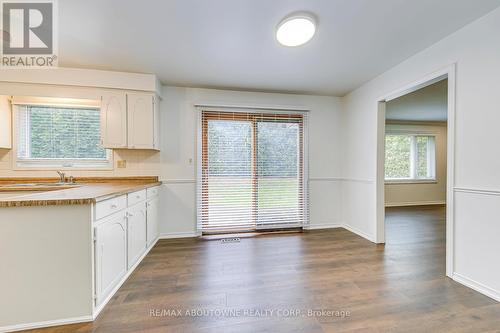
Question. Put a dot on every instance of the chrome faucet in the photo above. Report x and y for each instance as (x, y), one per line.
(62, 176)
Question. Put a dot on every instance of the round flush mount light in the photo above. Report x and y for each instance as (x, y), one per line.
(296, 29)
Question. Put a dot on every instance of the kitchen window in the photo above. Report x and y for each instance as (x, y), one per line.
(63, 137)
(410, 157)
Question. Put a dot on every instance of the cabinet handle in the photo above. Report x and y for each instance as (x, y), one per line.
(113, 206)
(137, 196)
(130, 214)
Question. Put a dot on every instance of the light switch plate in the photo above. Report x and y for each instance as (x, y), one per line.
(121, 164)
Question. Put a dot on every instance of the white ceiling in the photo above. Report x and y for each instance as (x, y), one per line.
(231, 43)
(427, 104)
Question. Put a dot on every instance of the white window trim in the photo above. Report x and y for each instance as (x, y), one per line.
(431, 159)
(53, 164)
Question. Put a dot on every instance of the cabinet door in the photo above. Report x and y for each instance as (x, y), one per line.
(114, 120)
(110, 254)
(5, 122)
(152, 220)
(136, 232)
(140, 121)
(156, 123)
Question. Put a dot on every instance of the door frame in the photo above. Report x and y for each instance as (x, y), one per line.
(448, 72)
(288, 111)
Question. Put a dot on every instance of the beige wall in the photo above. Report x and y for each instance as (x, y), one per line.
(421, 193)
(139, 163)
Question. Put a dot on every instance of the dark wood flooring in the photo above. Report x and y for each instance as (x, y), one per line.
(399, 287)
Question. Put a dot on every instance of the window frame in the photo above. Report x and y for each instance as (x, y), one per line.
(48, 164)
(431, 159)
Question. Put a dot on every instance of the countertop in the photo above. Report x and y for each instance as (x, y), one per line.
(91, 190)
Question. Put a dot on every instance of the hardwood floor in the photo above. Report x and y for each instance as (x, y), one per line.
(399, 287)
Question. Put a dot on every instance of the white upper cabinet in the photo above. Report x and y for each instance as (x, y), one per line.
(140, 120)
(114, 120)
(5, 122)
(130, 120)
(156, 123)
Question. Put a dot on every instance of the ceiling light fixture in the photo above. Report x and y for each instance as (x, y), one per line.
(296, 29)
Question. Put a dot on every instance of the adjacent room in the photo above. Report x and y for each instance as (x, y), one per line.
(249, 166)
(415, 177)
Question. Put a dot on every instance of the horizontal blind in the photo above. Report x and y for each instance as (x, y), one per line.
(59, 133)
(251, 172)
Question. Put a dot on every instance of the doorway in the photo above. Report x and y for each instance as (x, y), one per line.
(416, 171)
(252, 172)
(415, 176)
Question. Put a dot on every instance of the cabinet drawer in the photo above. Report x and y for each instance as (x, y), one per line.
(108, 207)
(136, 197)
(153, 191)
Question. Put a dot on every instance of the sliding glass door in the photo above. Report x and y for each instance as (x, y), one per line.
(251, 173)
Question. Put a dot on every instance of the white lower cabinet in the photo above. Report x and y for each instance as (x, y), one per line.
(124, 228)
(110, 254)
(136, 232)
(152, 220)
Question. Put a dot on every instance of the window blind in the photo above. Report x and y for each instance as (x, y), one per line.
(251, 174)
(55, 133)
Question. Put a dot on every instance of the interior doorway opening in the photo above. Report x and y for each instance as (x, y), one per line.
(415, 164)
(415, 174)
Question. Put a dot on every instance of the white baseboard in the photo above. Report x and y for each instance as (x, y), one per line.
(48, 323)
(481, 288)
(317, 226)
(414, 203)
(359, 233)
(186, 234)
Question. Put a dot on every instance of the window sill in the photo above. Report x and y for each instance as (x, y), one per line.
(410, 181)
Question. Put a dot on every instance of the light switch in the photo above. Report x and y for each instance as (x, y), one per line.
(121, 164)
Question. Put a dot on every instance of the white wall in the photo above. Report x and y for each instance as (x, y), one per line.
(178, 152)
(475, 49)
(407, 194)
(139, 162)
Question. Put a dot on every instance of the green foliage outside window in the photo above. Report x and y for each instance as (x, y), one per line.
(62, 133)
(397, 156)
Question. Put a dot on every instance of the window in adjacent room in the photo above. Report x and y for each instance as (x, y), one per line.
(410, 157)
(59, 137)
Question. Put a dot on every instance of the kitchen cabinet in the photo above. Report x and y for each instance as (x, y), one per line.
(152, 220)
(114, 120)
(110, 238)
(124, 228)
(130, 120)
(5, 122)
(141, 120)
(136, 217)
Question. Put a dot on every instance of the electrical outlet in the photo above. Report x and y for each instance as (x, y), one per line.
(121, 164)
